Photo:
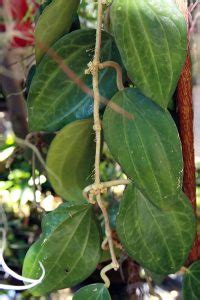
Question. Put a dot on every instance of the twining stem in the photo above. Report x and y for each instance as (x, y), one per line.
(95, 74)
(118, 69)
(104, 276)
(94, 68)
(103, 186)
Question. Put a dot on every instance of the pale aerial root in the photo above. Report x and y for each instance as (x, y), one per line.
(6, 269)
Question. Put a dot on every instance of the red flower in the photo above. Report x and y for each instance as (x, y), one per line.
(22, 14)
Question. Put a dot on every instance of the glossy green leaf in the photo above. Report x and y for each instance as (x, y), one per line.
(69, 248)
(70, 159)
(56, 100)
(54, 22)
(191, 282)
(152, 39)
(147, 146)
(75, 22)
(158, 239)
(96, 291)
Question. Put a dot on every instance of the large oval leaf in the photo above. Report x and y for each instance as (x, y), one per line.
(147, 146)
(69, 248)
(54, 99)
(70, 159)
(54, 22)
(96, 291)
(152, 39)
(191, 282)
(158, 239)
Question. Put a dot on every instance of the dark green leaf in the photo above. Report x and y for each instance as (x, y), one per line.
(54, 99)
(152, 39)
(191, 282)
(70, 159)
(69, 248)
(75, 22)
(96, 291)
(158, 239)
(147, 146)
(55, 20)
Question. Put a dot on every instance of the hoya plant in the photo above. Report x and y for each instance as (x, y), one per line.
(113, 85)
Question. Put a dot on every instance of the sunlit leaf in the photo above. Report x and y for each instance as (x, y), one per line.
(152, 39)
(96, 291)
(147, 146)
(158, 239)
(69, 248)
(54, 22)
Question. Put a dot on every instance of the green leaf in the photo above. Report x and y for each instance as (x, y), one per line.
(147, 146)
(75, 22)
(56, 100)
(96, 291)
(70, 160)
(191, 282)
(158, 239)
(43, 6)
(152, 39)
(54, 22)
(69, 248)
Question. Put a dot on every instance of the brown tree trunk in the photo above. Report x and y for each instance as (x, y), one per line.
(185, 116)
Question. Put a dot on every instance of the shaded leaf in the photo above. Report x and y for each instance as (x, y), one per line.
(69, 248)
(70, 159)
(158, 239)
(54, 99)
(152, 39)
(96, 291)
(50, 27)
(147, 146)
(191, 282)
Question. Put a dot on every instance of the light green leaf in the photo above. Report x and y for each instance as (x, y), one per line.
(54, 99)
(152, 39)
(69, 248)
(191, 282)
(158, 239)
(70, 159)
(54, 22)
(147, 146)
(96, 291)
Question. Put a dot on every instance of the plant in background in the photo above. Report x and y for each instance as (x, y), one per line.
(78, 90)
(17, 21)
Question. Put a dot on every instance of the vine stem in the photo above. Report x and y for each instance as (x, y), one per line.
(103, 186)
(118, 69)
(94, 68)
